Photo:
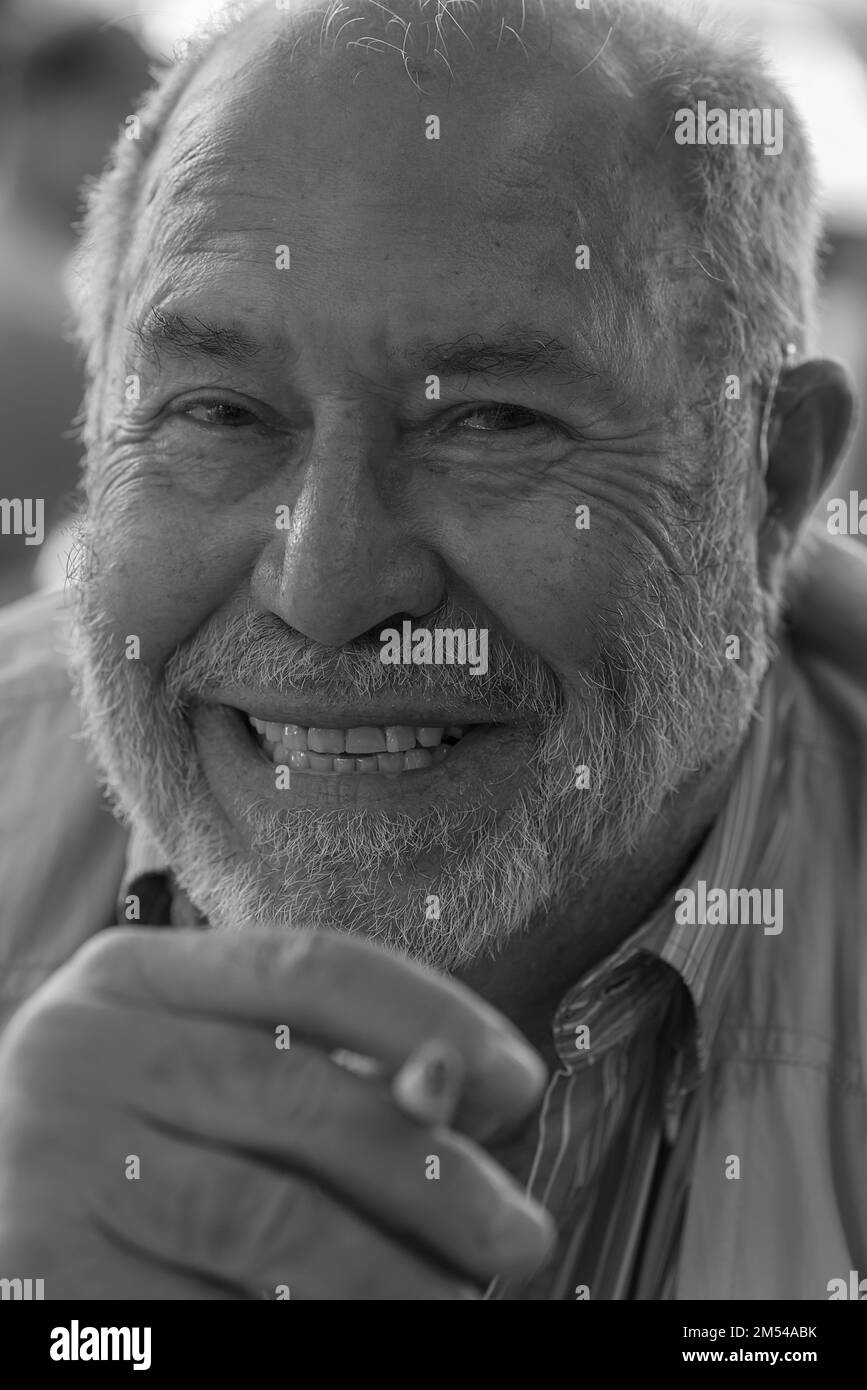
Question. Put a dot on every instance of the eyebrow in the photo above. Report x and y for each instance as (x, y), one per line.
(514, 351)
(182, 335)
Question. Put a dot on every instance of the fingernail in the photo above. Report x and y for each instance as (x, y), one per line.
(428, 1085)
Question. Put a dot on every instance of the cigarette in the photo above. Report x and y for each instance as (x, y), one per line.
(428, 1086)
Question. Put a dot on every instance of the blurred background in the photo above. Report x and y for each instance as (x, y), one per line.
(72, 70)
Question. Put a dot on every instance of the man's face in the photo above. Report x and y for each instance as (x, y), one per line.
(374, 385)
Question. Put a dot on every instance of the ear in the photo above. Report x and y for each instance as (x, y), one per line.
(809, 427)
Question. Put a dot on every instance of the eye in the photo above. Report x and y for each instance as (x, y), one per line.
(219, 414)
(487, 419)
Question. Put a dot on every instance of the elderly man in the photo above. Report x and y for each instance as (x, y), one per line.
(416, 335)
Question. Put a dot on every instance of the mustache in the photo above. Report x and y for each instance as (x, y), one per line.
(256, 650)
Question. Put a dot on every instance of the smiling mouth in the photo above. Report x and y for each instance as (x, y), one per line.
(380, 748)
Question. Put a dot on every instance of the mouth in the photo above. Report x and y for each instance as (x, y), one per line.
(411, 761)
(391, 749)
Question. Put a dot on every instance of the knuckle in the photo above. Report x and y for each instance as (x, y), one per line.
(107, 957)
(310, 957)
(294, 1213)
(263, 956)
(57, 1048)
(309, 1096)
(266, 1217)
(31, 1062)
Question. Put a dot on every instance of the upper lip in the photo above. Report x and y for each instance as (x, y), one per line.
(277, 711)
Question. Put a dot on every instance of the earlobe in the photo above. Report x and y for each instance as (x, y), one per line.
(811, 421)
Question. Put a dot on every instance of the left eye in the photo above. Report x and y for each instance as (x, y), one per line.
(488, 418)
(222, 414)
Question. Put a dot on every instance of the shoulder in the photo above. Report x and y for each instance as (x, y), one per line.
(826, 615)
(61, 850)
(802, 996)
(33, 645)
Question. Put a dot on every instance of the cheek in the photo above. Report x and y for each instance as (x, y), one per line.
(547, 583)
(164, 563)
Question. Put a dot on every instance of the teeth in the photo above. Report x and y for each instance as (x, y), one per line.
(391, 748)
(429, 738)
(366, 740)
(399, 738)
(391, 762)
(328, 741)
(418, 757)
(294, 736)
(413, 759)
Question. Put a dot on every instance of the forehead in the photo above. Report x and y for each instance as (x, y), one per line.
(331, 156)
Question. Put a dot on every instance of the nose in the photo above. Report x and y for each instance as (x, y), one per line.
(352, 553)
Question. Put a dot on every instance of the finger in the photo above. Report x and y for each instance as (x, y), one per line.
(243, 1225)
(336, 990)
(299, 1111)
(94, 1266)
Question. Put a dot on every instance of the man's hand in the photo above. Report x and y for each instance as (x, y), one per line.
(259, 1166)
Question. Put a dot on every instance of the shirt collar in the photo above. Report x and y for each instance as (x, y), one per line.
(148, 891)
(143, 856)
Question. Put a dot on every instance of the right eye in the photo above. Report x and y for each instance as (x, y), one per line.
(215, 413)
